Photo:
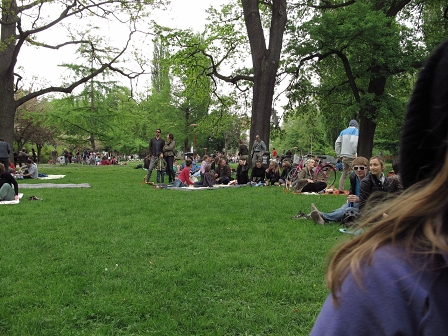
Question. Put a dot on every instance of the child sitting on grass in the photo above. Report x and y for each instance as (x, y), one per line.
(183, 180)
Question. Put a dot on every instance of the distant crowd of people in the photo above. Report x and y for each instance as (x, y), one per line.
(85, 157)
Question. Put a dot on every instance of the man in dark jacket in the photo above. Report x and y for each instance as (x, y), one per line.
(5, 150)
(155, 147)
(222, 172)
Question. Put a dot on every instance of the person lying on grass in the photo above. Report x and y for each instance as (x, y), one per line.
(360, 164)
(7, 182)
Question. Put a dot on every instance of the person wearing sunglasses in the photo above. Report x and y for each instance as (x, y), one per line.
(360, 171)
(374, 181)
(156, 145)
(392, 279)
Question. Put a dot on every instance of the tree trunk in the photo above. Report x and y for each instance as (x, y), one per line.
(92, 142)
(39, 151)
(7, 63)
(265, 63)
(367, 116)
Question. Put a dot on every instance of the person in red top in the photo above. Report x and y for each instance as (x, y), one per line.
(183, 180)
(12, 168)
(105, 161)
(274, 153)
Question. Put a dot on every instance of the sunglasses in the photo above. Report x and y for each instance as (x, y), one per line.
(157, 131)
(359, 168)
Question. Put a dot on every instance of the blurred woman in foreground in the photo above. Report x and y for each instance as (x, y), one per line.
(393, 279)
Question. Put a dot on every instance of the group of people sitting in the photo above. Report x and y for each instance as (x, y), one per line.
(9, 189)
(217, 171)
(366, 180)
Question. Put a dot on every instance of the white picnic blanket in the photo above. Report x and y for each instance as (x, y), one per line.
(53, 185)
(13, 202)
(51, 177)
(216, 186)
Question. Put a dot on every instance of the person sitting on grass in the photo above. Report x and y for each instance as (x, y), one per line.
(222, 172)
(208, 178)
(258, 175)
(104, 161)
(12, 168)
(392, 279)
(7, 183)
(395, 184)
(215, 163)
(205, 162)
(374, 181)
(32, 170)
(242, 171)
(273, 173)
(286, 165)
(360, 164)
(183, 180)
(305, 182)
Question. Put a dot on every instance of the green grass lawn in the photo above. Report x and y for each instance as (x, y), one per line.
(121, 258)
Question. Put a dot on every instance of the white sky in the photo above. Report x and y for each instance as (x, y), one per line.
(40, 67)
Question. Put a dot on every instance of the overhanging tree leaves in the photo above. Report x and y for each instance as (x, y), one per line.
(355, 53)
(224, 43)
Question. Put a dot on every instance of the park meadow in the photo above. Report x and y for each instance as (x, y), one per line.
(122, 258)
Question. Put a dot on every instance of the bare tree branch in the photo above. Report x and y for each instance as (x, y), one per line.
(328, 5)
(43, 45)
(396, 8)
(83, 80)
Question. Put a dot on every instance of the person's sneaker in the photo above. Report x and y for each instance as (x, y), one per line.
(313, 207)
(317, 218)
(300, 214)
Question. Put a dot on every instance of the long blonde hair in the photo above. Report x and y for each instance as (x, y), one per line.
(275, 167)
(415, 220)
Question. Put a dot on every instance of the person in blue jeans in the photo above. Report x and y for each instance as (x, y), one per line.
(392, 279)
(360, 165)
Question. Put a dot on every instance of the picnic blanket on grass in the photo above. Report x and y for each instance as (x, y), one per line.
(51, 177)
(53, 185)
(216, 186)
(14, 201)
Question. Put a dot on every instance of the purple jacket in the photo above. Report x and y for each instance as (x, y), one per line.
(398, 298)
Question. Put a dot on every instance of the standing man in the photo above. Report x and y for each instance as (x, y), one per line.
(65, 154)
(346, 146)
(258, 150)
(54, 155)
(5, 149)
(242, 149)
(155, 147)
